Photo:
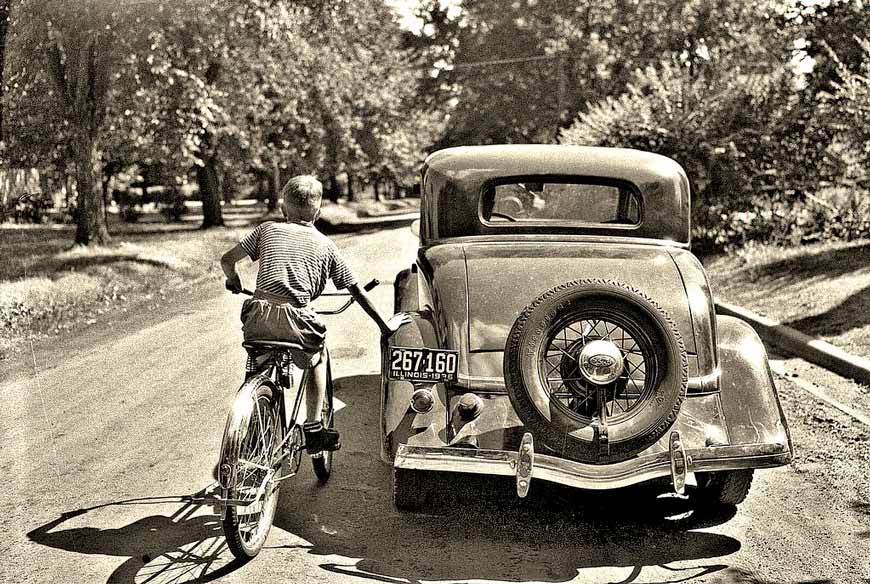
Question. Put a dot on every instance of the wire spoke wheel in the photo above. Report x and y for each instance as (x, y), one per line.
(569, 388)
(596, 369)
(252, 447)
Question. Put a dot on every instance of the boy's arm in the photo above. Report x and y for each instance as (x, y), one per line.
(387, 326)
(228, 265)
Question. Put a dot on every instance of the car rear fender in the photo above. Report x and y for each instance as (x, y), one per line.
(399, 423)
(405, 295)
(703, 316)
(748, 395)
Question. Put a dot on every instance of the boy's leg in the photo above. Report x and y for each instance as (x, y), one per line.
(315, 393)
(317, 437)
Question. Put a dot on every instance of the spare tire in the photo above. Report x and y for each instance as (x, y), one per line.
(598, 402)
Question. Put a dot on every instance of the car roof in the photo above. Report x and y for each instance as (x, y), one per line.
(454, 178)
(479, 163)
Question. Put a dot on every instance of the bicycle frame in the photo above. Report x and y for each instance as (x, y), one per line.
(273, 370)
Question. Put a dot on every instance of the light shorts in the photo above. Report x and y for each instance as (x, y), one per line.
(268, 320)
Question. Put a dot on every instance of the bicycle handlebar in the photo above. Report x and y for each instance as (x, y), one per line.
(368, 288)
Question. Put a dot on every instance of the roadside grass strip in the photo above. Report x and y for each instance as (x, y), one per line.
(51, 286)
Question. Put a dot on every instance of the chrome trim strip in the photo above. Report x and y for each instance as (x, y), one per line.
(703, 384)
(591, 476)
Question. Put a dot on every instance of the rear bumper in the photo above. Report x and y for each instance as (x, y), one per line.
(592, 476)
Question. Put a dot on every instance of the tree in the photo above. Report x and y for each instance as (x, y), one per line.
(519, 71)
(4, 26)
(75, 45)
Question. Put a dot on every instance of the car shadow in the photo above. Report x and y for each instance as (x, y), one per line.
(180, 547)
(476, 528)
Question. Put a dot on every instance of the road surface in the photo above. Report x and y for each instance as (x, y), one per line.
(102, 436)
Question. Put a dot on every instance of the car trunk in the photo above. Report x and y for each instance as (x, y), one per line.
(505, 277)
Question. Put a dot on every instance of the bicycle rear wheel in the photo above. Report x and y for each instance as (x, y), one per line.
(322, 461)
(250, 465)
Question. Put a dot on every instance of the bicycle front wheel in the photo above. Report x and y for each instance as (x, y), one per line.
(322, 461)
(250, 466)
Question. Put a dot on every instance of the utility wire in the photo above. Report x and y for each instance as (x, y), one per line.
(504, 61)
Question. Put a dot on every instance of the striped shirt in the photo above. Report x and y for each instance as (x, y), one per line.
(295, 261)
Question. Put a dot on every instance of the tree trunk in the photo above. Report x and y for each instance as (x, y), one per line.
(209, 192)
(108, 173)
(351, 195)
(274, 186)
(332, 191)
(4, 23)
(228, 187)
(90, 215)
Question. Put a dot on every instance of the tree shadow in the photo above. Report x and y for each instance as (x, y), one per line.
(850, 314)
(476, 528)
(744, 576)
(360, 228)
(181, 547)
(827, 263)
(63, 264)
(862, 508)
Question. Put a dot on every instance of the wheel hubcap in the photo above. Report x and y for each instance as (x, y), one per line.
(597, 366)
(601, 362)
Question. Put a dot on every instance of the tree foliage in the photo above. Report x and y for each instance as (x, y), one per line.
(519, 71)
(214, 89)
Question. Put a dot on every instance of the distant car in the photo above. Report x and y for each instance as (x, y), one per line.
(563, 331)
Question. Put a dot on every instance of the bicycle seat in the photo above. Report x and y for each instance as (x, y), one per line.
(273, 345)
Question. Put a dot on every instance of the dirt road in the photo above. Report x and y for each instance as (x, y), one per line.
(97, 446)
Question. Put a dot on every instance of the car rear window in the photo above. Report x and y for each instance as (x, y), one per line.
(560, 202)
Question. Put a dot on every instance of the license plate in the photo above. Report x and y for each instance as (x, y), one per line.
(422, 364)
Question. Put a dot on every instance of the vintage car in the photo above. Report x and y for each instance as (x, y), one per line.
(563, 331)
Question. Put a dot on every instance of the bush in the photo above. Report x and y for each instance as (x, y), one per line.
(750, 144)
(848, 107)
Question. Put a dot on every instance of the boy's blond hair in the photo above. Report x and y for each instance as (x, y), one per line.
(304, 192)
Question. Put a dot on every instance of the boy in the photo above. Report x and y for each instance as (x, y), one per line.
(295, 261)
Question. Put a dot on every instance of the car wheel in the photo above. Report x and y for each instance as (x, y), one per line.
(411, 489)
(596, 370)
(724, 488)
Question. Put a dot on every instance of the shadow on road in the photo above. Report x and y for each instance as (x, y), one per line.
(476, 528)
(177, 548)
(829, 263)
(852, 313)
(863, 509)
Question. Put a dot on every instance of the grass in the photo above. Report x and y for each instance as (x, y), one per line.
(822, 289)
(48, 286)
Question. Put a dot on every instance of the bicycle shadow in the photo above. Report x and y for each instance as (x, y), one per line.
(181, 547)
(477, 528)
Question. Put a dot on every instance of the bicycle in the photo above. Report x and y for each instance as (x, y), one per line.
(260, 441)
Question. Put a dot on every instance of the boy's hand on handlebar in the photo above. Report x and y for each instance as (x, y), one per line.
(395, 322)
(234, 284)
